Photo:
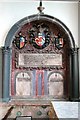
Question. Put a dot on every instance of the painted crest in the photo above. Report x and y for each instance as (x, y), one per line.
(40, 40)
(59, 42)
(20, 42)
(39, 36)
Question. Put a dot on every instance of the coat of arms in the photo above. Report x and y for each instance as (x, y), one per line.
(59, 42)
(19, 41)
(40, 40)
(40, 36)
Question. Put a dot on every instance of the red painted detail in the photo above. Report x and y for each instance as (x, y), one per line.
(36, 83)
(42, 82)
(61, 42)
(12, 75)
(22, 44)
(39, 41)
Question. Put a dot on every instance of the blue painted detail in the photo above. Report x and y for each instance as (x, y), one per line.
(6, 74)
(5, 99)
(19, 113)
(33, 83)
(45, 83)
(39, 84)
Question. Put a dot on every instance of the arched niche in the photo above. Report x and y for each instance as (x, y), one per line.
(61, 42)
(55, 84)
(23, 84)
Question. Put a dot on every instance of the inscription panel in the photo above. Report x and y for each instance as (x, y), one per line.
(39, 60)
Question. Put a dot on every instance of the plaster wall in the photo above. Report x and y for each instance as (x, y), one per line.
(11, 12)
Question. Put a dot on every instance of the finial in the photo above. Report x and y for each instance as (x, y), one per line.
(40, 8)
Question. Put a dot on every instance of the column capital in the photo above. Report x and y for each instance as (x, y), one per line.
(6, 50)
(74, 51)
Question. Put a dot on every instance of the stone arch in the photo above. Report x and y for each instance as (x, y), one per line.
(19, 24)
(73, 53)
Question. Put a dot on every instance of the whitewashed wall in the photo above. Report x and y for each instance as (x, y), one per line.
(11, 12)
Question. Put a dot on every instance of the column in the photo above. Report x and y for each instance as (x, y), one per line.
(74, 75)
(6, 74)
(0, 74)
